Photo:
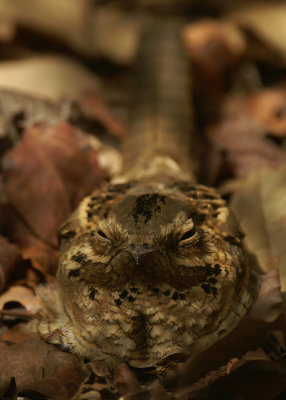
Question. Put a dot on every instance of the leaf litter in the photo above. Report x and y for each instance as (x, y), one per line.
(50, 161)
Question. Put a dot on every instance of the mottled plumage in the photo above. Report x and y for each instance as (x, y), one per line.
(154, 265)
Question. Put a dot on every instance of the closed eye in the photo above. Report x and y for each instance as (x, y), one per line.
(102, 234)
(187, 235)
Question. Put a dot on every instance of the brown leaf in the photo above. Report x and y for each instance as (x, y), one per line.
(124, 380)
(259, 203)
(248, 137)
(21, 295)
(212, 44)
(92, 31)
(57, 166)
(41, 368)
(43, 257)
(214, 47)
(17, 334)
(266, 22)
(255, 379)
(43, 204)
(268, 106)
(269, 301)
(47, 77)
(94, 107)
(155, 392)
(9, 255)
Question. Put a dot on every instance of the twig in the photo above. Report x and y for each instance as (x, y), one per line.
(21, 314)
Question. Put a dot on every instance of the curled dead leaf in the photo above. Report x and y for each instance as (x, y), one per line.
(22, 295)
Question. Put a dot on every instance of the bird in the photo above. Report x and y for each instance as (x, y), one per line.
(153, 264)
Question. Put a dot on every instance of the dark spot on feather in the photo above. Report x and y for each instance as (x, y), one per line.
(96, 198)
(80, 258)
(146, 205)
(182, 296)
(89, 215)
(118, 302)
(74, 273)
(209, 196)
(67, 235)
(131, 299)
(232, 239)
(123, 294)
(92, 293)
(175, 296)
(198, 218)
(167, 293)
(206, 288)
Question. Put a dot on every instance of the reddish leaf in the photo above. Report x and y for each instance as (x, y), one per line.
(42, 368)
(94, 107)
(17, 334)
(124, 380)
(45, 176)
(34, 187)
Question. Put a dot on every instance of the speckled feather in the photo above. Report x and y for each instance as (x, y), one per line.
(153, 265)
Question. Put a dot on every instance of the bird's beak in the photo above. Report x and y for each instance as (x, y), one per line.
(139, 251)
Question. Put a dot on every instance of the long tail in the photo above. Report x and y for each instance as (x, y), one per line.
(161, 129)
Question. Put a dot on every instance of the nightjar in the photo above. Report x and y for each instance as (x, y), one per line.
(153, 264)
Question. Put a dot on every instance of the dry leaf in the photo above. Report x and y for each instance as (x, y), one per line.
(266, 22)
(255, 379)
(213, 45)
(21, 295)
(48, 77)
(259, 203)
(17, 334)
(9, 255)
(40, 368)
(124, 380)
(90, 30)
(94, 107)
(56, 167)
(45, 176)
(250, 135)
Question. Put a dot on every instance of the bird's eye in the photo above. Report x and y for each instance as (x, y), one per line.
(102, 234)
(187, 235)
